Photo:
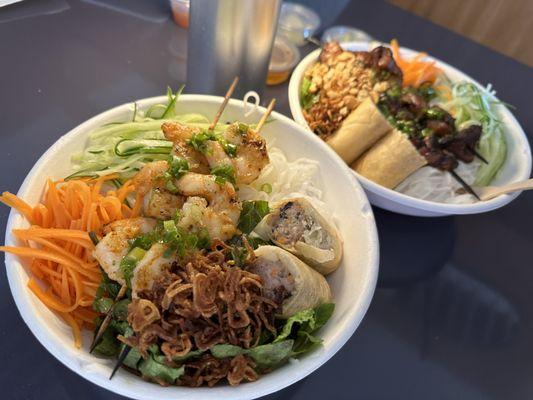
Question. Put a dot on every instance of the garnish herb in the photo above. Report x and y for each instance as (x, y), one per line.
(266, 187)
(129, 262)
(180, 241)
(307, 99)
(224, 173)
(199, 142)
(178, 167)
(252, 213)
(242, 129)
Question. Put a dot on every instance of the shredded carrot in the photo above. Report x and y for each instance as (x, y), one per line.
(415, 71)
(64, 275)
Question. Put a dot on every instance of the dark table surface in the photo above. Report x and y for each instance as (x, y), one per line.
(452, 317)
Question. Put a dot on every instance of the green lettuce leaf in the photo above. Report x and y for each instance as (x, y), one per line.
(102, 305)
(188, 356)
(270, 355)
(307, 321)
(252, 213)
(226, 350)
(302, 325)
(266, 355)
(120, 311)
(133, 358)
(322, 314)
(296, 321)
(305, 342)
(150, 368)
(108, 346)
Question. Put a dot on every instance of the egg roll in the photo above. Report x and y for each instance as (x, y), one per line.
(390, 160)
(298, 227)
(289, 281)
(363, 127)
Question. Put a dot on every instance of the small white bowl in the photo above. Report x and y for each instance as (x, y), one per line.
(352, 284)
(517, 167)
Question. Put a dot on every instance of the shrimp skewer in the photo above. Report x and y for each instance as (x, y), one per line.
(251, 154)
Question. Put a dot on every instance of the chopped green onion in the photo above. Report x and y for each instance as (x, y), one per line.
(129, 262)
(178, 167)
(230, 149)
(198, 140)
(266, 187)
(223, 173)
(242, 129)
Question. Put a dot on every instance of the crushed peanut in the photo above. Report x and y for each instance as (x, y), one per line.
(342, 80)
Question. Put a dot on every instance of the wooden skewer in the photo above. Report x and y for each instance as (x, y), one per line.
(265, 116)
(120, 360)
(489, 192)
(224, 103)
(478, 155)
(93, 237)
(107, 319)
(465, 185)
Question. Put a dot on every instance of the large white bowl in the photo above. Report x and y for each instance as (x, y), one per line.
(517, 167)
(352, 284)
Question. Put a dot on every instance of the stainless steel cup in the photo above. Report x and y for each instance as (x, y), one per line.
(229, 38)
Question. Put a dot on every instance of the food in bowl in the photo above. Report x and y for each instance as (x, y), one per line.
(403, 124)
(155, 228)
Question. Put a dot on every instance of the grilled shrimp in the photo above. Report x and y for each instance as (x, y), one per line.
(251, 155)
(114, 246)
(161, 204)
(158, 202)
(216, 203)
(179, 134)
(149, 268)
(150, 177)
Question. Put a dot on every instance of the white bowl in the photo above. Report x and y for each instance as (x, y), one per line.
(352, 284)
(517, 167)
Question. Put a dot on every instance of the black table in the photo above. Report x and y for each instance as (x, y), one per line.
(452, 317)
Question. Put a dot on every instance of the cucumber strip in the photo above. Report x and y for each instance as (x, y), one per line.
(128, 147)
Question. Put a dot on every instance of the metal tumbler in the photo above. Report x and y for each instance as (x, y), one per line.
(229, 38)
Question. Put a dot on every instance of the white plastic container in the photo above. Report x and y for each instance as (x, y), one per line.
(352, 284)
(285, 56)
(517, 167)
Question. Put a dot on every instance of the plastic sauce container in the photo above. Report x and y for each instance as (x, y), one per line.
(284, 57)
(180, 12)
(345, 34)
(297, 23)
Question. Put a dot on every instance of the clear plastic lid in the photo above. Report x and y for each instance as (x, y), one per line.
(345, 34)
(297, 22)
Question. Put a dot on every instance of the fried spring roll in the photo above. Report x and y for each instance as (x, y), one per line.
(363, 127)
(289, 281)
(390, 160)
(295, 225)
